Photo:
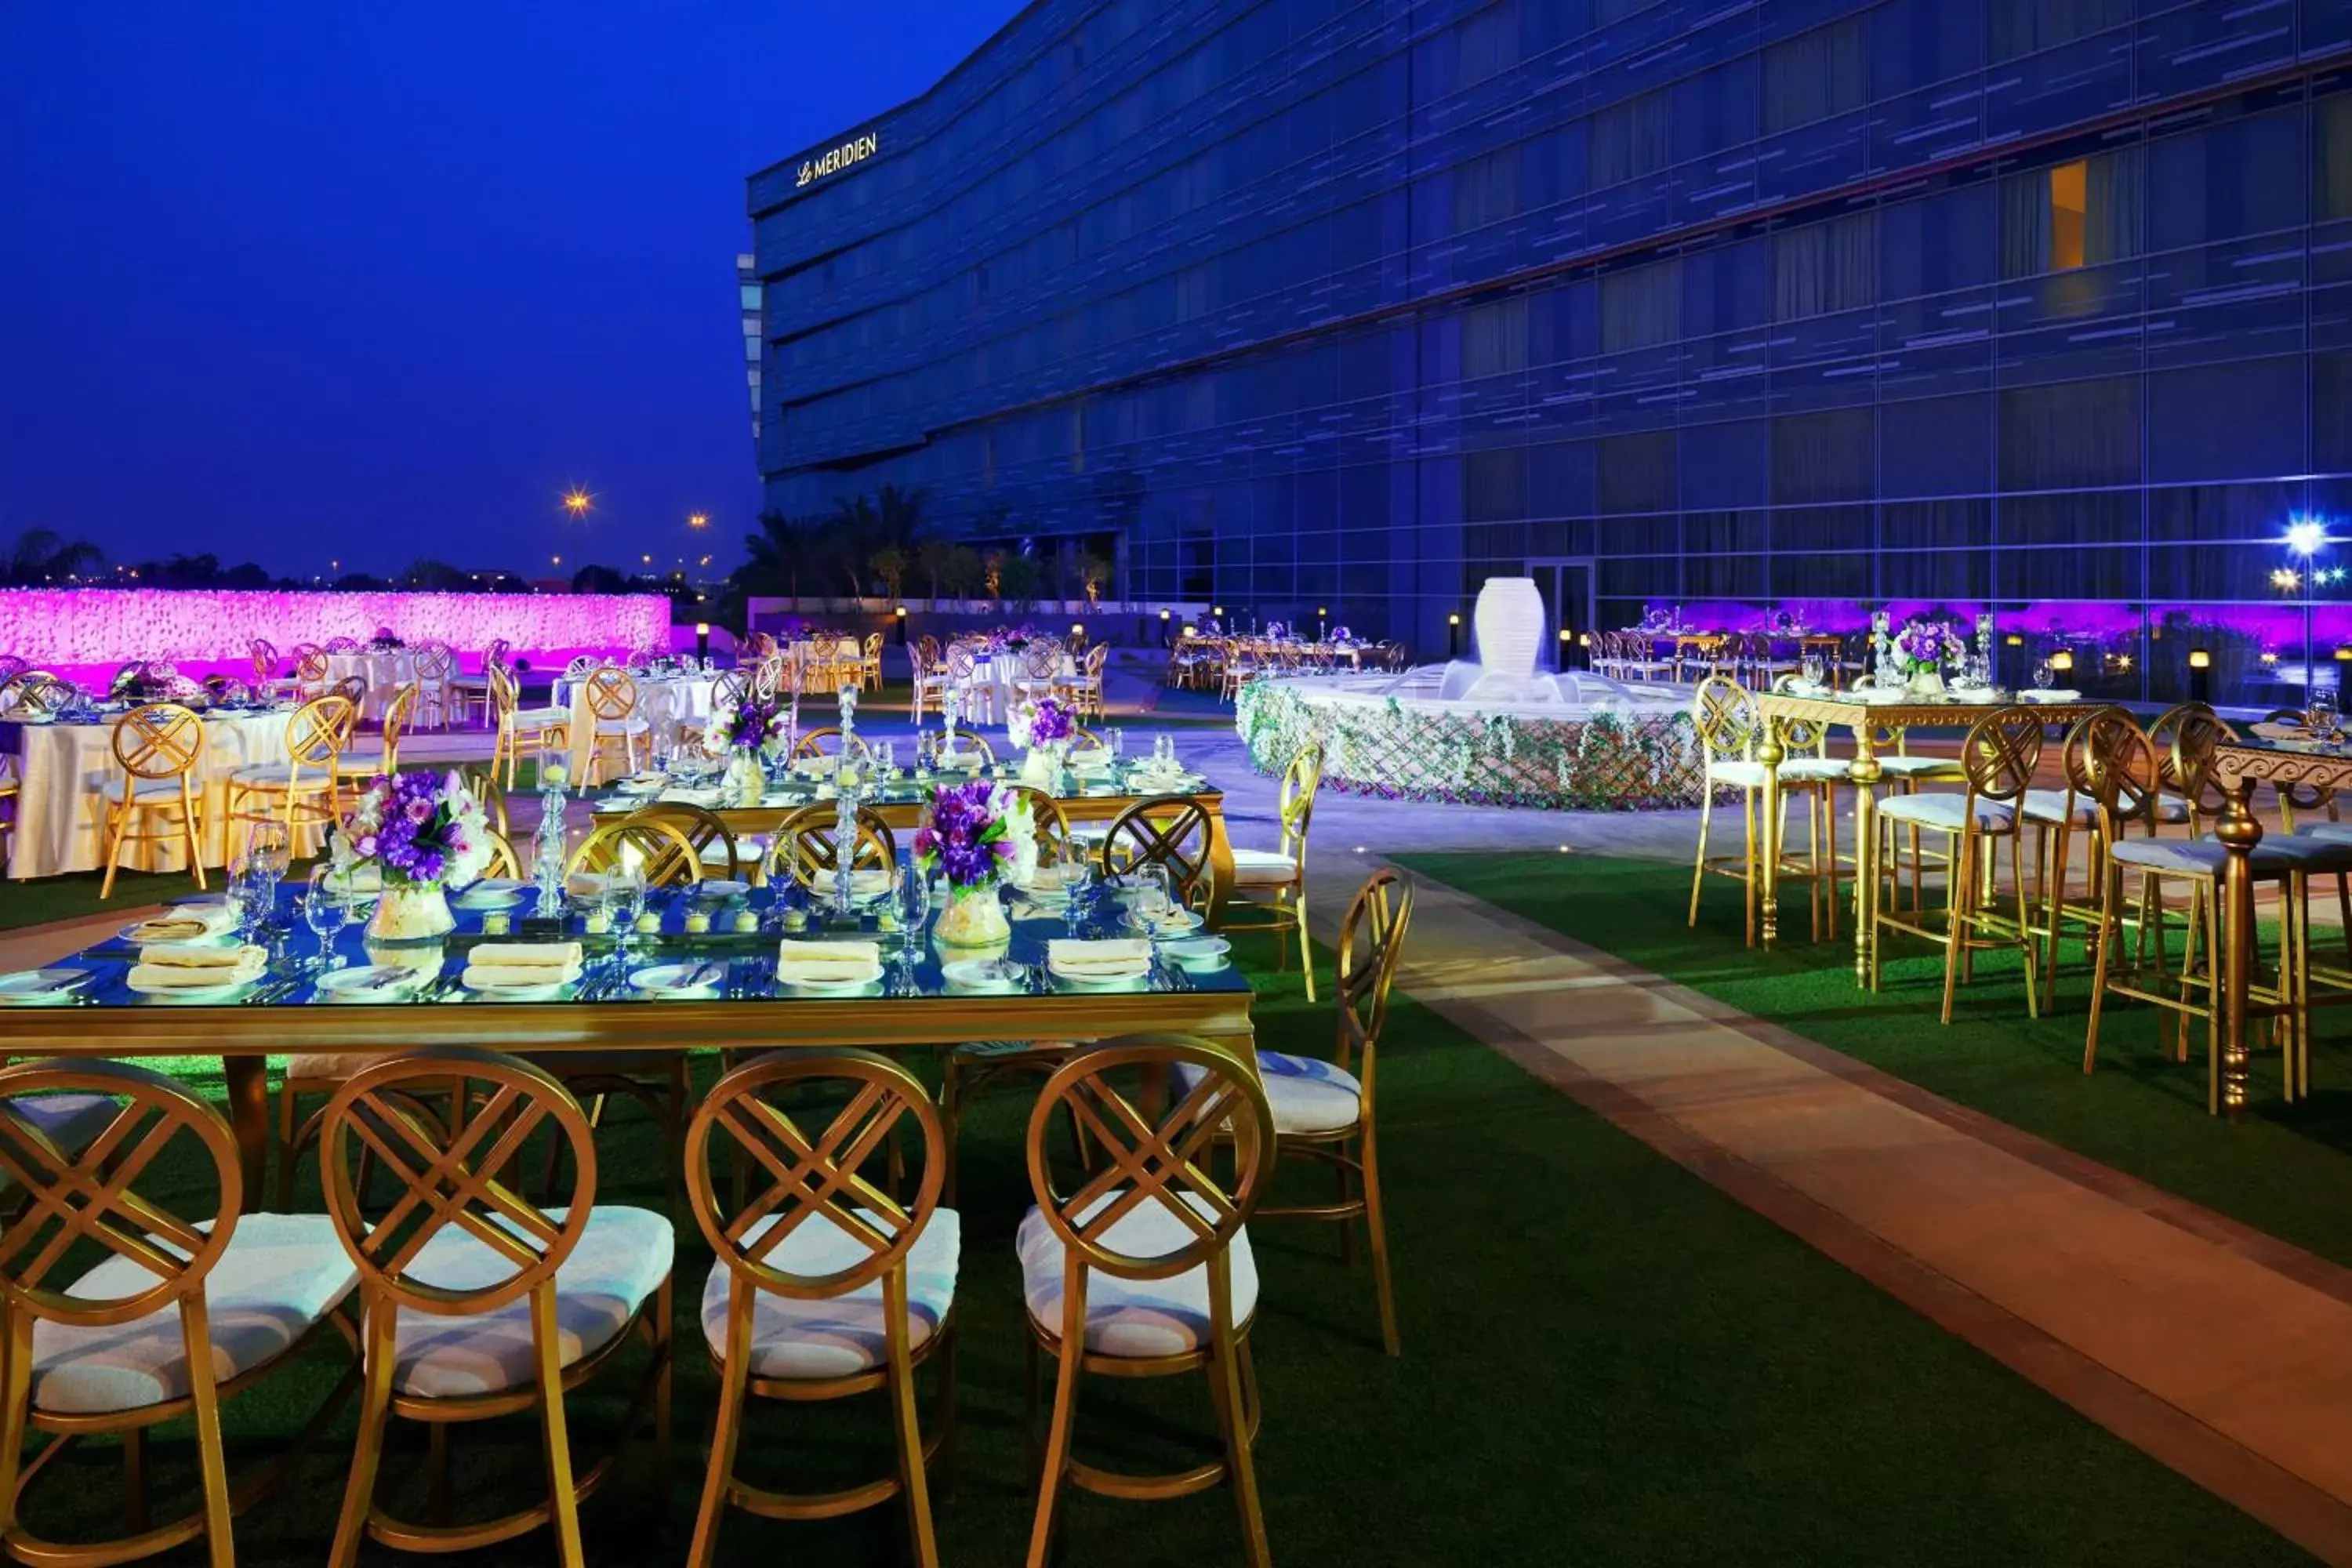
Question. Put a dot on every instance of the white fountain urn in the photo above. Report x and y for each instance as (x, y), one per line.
(1509, 621)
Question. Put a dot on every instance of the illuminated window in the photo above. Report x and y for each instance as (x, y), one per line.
(2069, 204)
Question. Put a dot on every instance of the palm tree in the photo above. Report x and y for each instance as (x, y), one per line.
(42, 555)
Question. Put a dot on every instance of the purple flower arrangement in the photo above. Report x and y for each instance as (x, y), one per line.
(423, 829)
(1929, 645)
(967, 839)
(755, 721)
(1041, 725)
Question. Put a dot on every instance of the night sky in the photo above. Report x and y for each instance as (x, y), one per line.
(306, 281)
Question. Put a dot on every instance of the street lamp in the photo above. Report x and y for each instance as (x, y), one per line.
(2306, 537)
(1453, 635)
(698, 520)
(578, 502)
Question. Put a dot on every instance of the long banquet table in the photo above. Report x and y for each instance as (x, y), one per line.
(916, 1009)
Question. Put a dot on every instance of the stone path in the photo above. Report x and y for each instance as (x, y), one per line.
(2220, 1351)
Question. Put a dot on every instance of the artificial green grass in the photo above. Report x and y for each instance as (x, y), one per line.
(2140, 1112)
(1605, 1359)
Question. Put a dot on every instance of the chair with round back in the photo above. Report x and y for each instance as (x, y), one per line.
(1143, 1268)
(160, 750)
(1727, 724)
(397, 719)
(311, 672)
(712, 839)
(828, 1283)
(304, 790)
(972, 752)
(171, 1301)
(869, 672)
(1175, 831)
(522, 728)
(35, 692)
(1048, 821)
(2000, 753)
(1270, 884)
(612, 699)
(351, 688)
(658, 845)
(828, 743)
(2060, 816)
(436, 670)
(806, 852)
(1323, 1111)
(476, 1303)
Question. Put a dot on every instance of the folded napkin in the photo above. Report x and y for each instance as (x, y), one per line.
(191, 924)
(1102, 958)
(828, 960)
(2039, 694)
(481, 976)
(684, 796)
(963, 761)
(527, 955)
(164, 967)
(185, 955)
(816, 767)
(864, 882)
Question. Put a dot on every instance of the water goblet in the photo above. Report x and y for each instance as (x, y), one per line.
(886, 759)
(1813, 670)
(625, 891)
(2046, 675)
(912, 899)
(1077, 878)
(2319, 716)
(326, 915)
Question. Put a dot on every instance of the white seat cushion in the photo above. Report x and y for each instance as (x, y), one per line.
(1793, 770)
(2335, 832)
(622, 1258)
(1907, 767)
(1944, 809)
(149, 792)
(366, 765)
(622, 726)
(277, 773)
(539, 718)
(2273, 856)
(1308, 1094)
(1135, 1318)
(280, 1274)
(839, 1336)
(1262, 869)
(69, 1120)
(2050, 805)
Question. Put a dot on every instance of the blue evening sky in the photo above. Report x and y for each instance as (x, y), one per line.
(309, 280)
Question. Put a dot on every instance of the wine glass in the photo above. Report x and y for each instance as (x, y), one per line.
(246, 897)
(1115, 742)
(1077, 878)
(1163, 751)
(2319, 715)
(2046, 675)
(270, 851)
(1812, 669)
(886, 759)
(1152, 901)
(326, 915)
(912, 905)
(625, 895)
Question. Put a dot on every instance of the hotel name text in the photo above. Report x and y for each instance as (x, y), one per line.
(840, 158)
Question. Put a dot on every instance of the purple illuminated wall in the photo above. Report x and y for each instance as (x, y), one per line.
(73, 628)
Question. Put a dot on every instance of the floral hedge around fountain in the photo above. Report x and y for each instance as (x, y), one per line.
(1393, 749)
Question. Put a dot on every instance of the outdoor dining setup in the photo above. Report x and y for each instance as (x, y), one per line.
(422, 985)
(1987, 821)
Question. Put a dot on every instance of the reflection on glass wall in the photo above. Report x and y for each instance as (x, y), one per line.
(1319, 304)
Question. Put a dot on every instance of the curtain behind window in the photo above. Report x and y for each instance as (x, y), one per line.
(1825, 266)
(1640, 305)
(2118, 208)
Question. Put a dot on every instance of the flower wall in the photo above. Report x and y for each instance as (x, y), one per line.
(58, 628)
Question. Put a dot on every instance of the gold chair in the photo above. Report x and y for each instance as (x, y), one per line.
(436, 685)
(522, 728)
(612, 698)
(1323, 1111)
(311, 672)
(869, 664)
(1050, 823)
(711, 838)
(2133, 778)
(168, 1311)
(159, 748)
(1175, 831)
(972, 753)
(1144, 1270)
(660, 848)
(305, 790)
(481, 782)
(1277, 878)
(2000, 752)
(826, 1285)
(34, 692)
(804, 849)
(478, 1303)
(828, 743)
(1725, 716)
(1084, 691)
(397, 719)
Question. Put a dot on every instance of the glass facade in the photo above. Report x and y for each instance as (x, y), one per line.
(2045, 304)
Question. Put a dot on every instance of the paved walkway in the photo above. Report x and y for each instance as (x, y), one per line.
(2220, 1351)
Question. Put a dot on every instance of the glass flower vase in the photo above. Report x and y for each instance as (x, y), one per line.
(411, 911)
(1926, 682)
(747, 783)
(975, 917)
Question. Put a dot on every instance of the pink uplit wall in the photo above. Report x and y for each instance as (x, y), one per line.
(76, 627)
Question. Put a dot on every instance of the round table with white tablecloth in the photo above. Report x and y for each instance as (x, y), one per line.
(386, 671)
(997, 680)
(61, 806)
(685, 697)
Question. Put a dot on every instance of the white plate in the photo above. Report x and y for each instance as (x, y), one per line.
(872, 987)
(479, 897)
(639, 785)
(667, 979)
(1174, 923)
(33, 987)
(537, 990)
(1101, 983)
(721, 887)
(1977, 694)
(199, 992)
(980, 974)
(1197, 952)
(133, 934)
(370, 983)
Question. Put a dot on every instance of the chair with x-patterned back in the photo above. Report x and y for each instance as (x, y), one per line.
(805, 850)
(478, 1303)
(134, 1292)
(160, 750)
(302, 791)
(1172, 831)
(829, 1283)
(611, 694)
(1143, 1268)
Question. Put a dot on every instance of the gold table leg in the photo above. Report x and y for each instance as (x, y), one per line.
(247, 1078)
(1866, 773)
(2239, 832)
(1769, 751)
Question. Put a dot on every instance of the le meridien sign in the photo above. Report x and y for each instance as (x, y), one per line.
(840, 158)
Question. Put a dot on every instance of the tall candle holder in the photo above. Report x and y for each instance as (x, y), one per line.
(547, 869)
(845, 849)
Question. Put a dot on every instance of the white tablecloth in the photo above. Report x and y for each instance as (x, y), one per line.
(996, 681)
(385, 673)
(61, 815)
(686, 699)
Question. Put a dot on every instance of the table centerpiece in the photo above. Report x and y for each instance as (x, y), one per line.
(977, 836)
(1924, 649)
(426, 832)
(740, 734)
(1042, 730)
